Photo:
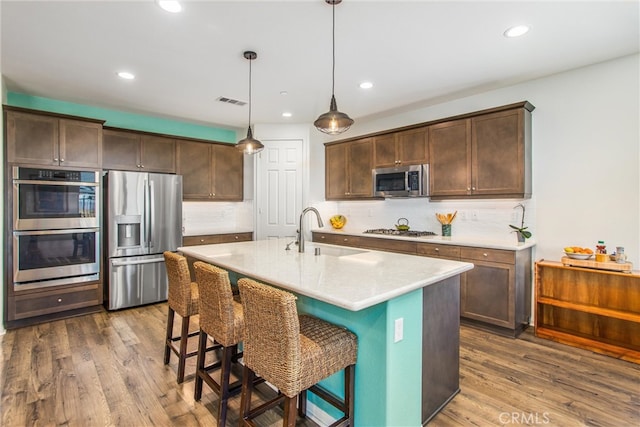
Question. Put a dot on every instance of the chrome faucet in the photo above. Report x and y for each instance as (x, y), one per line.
(301, 230)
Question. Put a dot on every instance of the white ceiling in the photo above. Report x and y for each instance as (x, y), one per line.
(414, 52)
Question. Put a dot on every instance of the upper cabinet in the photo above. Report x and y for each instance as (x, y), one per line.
(212, 172)
(53, 141)
(401, 148)
(348, 170)
(126, 150)
(487, 155)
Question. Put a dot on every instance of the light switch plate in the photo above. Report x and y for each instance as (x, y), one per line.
(399, 329)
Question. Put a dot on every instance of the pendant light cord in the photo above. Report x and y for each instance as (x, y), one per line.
(333, 47)
(250, 61)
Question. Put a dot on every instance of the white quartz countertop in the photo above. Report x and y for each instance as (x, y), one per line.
(350, 278)
(480, 242)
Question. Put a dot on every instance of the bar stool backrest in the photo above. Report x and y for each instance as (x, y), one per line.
(219, 316)
(180, 298)
(271, 335)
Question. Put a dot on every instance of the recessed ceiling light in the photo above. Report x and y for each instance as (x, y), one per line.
(170, 5)
(126, 75)
(517, 31)
(286, 114)
(284, 93)
(366, 85)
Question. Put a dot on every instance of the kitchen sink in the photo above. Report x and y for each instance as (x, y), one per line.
(333, 251)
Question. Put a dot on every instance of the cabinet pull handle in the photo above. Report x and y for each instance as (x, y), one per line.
(59, 300)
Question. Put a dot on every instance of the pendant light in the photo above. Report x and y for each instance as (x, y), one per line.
(333, 122)
(250, 145)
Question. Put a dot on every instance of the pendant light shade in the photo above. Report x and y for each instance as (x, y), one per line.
(333, 122)
(249, 145)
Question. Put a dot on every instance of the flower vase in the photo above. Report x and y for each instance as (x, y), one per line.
(520, 238)
(446, 230)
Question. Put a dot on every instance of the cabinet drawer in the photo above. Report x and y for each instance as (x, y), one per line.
(216, 238)
(490, 255)
(336, 239)
(388, 245)
(37, 304)
(442, 251)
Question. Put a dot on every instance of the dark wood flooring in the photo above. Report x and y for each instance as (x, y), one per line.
(106, 369)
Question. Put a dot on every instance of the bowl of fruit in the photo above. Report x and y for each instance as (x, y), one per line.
(577, 252)
(338, 221)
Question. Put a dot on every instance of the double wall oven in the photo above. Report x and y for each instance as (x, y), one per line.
(56, 227)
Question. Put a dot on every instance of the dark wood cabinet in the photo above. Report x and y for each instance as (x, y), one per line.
(401, 148)
(488, 155)
(348, 170)
(450, 159)
(212, 172)
(597, 310)
(133, 151)
(48, 140)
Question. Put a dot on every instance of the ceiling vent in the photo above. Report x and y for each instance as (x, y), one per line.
(231, 101)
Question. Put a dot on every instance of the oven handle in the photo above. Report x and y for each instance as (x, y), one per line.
(145, 261)
(66, 183)
(63, 231)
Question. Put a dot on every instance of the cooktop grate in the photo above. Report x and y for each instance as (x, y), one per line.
(394, 232)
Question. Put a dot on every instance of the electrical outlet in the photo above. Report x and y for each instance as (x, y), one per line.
(399, 330)
(462, 215)
(474, 215)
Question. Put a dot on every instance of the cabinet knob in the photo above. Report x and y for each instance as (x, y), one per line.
(473, 188)
(59, 300)
(345, 240)
(437, 249)
(201, 240)
(55, 159)
(62, 160)
(138, 166)
(213, 194)
(210, 195)
(322, 237)
(142, 166)
(485, 254)
(237, 237)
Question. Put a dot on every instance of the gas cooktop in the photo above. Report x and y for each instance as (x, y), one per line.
(394, 232)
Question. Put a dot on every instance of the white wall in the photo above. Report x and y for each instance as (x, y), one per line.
(586, 161)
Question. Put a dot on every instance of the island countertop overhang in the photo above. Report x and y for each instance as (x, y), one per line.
(353, 279)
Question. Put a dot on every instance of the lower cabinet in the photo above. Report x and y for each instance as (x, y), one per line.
(210, 239)
(495, 295)
(39, 305)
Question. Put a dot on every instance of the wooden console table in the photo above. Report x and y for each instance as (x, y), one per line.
(592, 309)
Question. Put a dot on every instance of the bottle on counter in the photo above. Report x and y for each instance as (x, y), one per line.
(601, 251)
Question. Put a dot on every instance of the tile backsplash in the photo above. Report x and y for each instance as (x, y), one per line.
(216, 217)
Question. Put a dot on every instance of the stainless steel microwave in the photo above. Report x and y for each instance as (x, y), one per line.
(401, 181)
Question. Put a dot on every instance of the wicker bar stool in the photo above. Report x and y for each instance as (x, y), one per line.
(183, 299)
(221, 318)
(293, 353)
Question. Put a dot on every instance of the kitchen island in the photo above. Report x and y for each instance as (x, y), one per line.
(403, 308)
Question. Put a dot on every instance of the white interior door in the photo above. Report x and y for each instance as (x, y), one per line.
(279, 189)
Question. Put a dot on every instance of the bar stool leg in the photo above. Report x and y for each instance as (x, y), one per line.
(182, 357)
(202, 346)
(302, 403)
(167, 343)
(350, 391)
(248, 378)
(225, 371)
(290, 411)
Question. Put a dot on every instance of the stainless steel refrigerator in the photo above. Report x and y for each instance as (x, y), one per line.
(143, 218)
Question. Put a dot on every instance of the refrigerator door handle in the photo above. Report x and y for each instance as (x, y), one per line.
(147, 219)
(146, 261)
(152, 211)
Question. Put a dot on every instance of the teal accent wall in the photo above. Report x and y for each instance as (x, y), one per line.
(388, 375)
(123, 120)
